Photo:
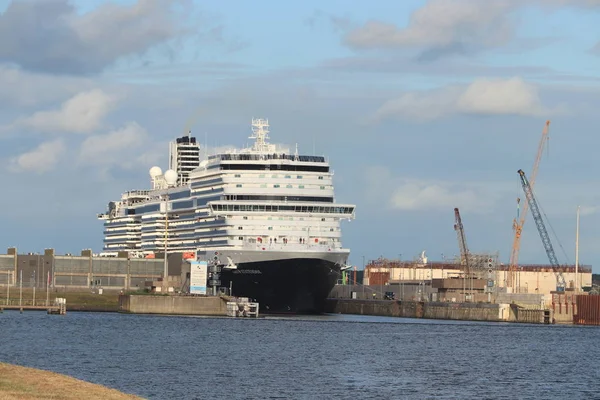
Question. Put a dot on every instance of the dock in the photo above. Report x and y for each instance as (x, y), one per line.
(242, 307)
(188, 305)
(58, 307)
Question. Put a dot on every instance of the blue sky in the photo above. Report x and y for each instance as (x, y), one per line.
(421, 106)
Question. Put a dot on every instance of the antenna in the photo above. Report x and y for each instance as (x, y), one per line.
(296, 153)
(260, 132)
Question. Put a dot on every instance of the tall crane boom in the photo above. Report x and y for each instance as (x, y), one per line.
(537, 217)
(462, 240)
(518, 222)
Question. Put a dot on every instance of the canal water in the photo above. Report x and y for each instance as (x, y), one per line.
(323, 357)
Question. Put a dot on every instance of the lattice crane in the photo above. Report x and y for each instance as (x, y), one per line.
(462, 240)
(518, 222)
(537, 217)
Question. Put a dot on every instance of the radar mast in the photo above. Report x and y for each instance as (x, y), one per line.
(260, 132)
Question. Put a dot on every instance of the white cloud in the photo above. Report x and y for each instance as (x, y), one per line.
(444, 27)
(442, 24)
(420, 106)
(82, 113)
(510, 96)
(61, 40)
(120, 147)
(23, 88)
(483, 96)
(413, 194)
(422, 195)
(41, 159)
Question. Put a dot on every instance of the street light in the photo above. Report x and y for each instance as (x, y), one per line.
(166, 264)
(363, 278)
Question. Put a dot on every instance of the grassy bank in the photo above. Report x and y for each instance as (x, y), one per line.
(28, 383)
(77, 300)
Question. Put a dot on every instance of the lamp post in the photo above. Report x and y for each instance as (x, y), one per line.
(166, 263)
(363, 278)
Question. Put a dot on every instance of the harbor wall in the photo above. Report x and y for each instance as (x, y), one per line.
(418, 309)
(175, 305)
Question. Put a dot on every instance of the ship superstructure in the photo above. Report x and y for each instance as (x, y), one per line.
(184, 157)
(260, 210)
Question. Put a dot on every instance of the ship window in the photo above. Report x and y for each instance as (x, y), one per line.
(275, 186)
(301, 186)
(245, 217)
(289, 186)
(239, 227)
(270, 228)
(322, 187)
(238, 185)
(237, 175)
(299, 177)
(288, 176)
(322, 219)
(240, 237)
(320, 177)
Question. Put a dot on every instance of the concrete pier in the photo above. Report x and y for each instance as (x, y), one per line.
(419, 309)
(438, 310)
(174, 305)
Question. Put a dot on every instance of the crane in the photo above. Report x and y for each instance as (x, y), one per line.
(462, 240)
(537, 217)
(518, 223)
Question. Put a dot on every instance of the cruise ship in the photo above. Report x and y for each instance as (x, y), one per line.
(267, 217)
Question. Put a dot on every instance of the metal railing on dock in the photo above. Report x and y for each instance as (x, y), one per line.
(58, 306)
(242, 307)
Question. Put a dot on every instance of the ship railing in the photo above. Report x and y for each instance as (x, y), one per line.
(292, 246)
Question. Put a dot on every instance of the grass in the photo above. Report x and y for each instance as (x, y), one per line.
(77, 300)
(27, 383)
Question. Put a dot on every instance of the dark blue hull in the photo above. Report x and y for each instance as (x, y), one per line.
(291, 286)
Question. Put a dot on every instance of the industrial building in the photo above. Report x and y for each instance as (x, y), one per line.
(86, 270)
(450, 282)
(530, 278)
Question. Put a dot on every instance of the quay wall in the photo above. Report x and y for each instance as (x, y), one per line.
(418, 309)
(174, 305)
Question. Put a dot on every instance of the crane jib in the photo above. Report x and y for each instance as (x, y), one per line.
(537, 217)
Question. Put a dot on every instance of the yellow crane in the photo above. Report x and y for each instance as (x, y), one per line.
(520, 219)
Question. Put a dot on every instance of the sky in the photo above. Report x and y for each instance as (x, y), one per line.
(420, 107)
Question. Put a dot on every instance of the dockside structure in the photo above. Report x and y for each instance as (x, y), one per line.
(85, 270)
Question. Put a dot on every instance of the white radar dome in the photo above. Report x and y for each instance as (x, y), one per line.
(155, 171)
(170, 177)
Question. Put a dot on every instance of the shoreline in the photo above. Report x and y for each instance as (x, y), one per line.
(18, 382)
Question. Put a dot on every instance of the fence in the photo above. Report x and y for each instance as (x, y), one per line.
(7, 269)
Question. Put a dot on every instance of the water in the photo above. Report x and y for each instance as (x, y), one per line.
(325, 357)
